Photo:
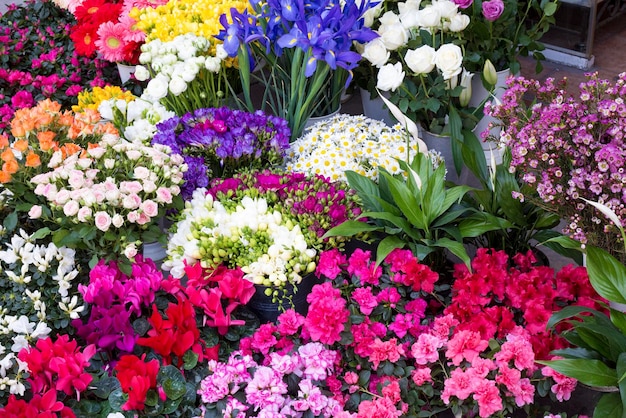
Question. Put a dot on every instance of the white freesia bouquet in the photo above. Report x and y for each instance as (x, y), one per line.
(355, 143)
(269, 247)
(107, 200)
(185, 73)
(418, 58)
(136, 120)
(38, 294)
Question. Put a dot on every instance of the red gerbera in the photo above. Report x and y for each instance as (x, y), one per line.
(84, 37)
(97, 11)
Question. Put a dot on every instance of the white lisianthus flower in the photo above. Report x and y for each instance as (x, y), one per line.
(449, 60)
(390, 77)
(376, 52)
(421, 60)
(141, 73)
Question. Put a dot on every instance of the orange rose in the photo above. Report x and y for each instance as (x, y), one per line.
(20, 145)
(33, 160)
(4, 141)
(46, 140)
(7, 155)
(10, 167)
(70, 149)
(4, 177)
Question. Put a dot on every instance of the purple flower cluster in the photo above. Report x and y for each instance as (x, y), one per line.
(317, 203)
(244, 383)
(567, 148)
(116, 299)
(219, 142)
(326, 27)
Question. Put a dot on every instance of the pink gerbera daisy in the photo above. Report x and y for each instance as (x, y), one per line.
(132, 34)
(110, 41)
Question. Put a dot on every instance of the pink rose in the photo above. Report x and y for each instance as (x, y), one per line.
(35, 212)
(62, 196)
(84, 214)
(132, 201)
(130, 187)
(71, 208)
(164, 195)
(76, 179)
(493, 9)
(133, 216)
(150, 208)
(103, 221)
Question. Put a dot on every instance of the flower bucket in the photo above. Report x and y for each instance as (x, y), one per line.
(315, 119)
(443, 145)
(268, 311)
(375, 108)
(125, 71)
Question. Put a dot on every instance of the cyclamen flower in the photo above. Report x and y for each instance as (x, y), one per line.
(136, 377)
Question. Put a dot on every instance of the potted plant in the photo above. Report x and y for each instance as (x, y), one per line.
(306, 49)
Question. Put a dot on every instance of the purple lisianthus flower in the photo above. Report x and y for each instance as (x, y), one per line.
(493, 9)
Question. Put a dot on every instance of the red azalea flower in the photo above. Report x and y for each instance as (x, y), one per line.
(136, 378)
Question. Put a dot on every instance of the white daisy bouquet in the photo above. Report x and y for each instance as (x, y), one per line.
(136, 119)
(347, 142)
(108, 199)
(38, 296)
(185, 73)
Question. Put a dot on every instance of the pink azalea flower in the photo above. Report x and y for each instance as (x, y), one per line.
(385, 351)
(465, 345)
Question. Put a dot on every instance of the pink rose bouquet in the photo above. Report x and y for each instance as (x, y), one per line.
(107, 200)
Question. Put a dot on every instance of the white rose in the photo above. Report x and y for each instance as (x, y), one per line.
(409, 13)
(459, 22)
(130, 252)
(448, 60)
(429, 17)
(117, 220)
(389, 19)
(177, 86)
(35, 212)
(421, 60)
(446, 8)
(371, 14)
(393, 36)
(71, 208)
(376, 52)
(102, 220)
(390, 77)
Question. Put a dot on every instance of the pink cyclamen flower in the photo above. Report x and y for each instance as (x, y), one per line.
(493, 9)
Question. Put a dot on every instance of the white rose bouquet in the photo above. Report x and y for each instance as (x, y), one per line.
(108, 199)
(418, 59)
(184, 74)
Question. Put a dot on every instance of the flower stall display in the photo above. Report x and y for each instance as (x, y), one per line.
(346, 142)
(221, 142)
(568, 149)
(107, 200)
(502, 30)
(305, 50)
(39, 297)
(270, 225)
(418, 60)
(136, 119)
(38, 60)
(374, 344)
(186, 73)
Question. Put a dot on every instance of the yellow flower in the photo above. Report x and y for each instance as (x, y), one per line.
(91, 99)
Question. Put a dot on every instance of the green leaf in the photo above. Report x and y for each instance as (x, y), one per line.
(621, 378)
(405, 200)
(41, 233)
(609, 405)
(172, 381)
(364, 377)
(478, 225)
(397, 221)
(386, 246)
(10, 222)
(550, 9)
(350, 228)
(190, 360)
(589, 372)
(606, 275)
(455, 248)
(618, 319)
(105, 386)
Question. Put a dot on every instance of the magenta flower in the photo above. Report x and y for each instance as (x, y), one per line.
(492, 9)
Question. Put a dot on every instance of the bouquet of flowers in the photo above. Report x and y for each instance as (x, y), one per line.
(374, 341)
(185, 74)
(502, 30)
(40, 134)
(418, 60)
(135, 118)
(38, 59)
(569, 150)
(106, 200)
(355, 143)
(307, 49)
(39, 296)
(222, 142)
(267, 224)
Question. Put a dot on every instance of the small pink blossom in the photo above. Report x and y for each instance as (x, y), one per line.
(102, 221)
